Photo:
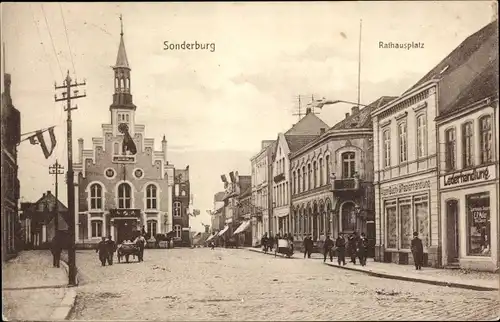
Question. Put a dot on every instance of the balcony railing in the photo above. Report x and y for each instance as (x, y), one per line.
(351, 184)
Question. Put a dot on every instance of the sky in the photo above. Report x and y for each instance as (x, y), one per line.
(215, 107)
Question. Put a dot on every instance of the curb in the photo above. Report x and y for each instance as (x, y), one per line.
(272, 253)
(417, 279)
(63, 311)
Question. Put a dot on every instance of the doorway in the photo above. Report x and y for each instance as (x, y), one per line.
(453, 240)
(125, 230)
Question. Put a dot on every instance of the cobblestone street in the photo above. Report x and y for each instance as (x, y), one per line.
(229, 284)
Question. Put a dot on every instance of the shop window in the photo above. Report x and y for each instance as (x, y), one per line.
(403, 143)
(405, 223)
(421, 135)
(348, 217)
(124, 196)
(486, 139)
(478, 224)
(421, 207)
(387, 148)
(348, 164)
(178, 231)
(450, 149)
(151, 197)
(96, 228)
(467, 144)
(391, 225)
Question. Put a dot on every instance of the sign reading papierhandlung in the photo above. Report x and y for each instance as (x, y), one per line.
(468, 176)
(132, 213)
(406, 187)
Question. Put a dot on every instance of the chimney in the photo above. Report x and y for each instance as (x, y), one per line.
(354, 110)
(80, 150)
(164, 148)
(48, 192)
(322, 130)
(346, 115)
(308, 110)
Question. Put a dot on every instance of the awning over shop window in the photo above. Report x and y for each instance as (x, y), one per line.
(243, 227)
(223, 231)
(210, 237)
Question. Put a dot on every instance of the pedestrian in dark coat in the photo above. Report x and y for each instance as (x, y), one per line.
(111, 249)
(328, 249)
(308, 245)
(141, 242)
(352, 247)
(102, 249)
(290, 239)
(56, 249)
(417, 250)
(340, 244)
(362, 249)
(263, 241)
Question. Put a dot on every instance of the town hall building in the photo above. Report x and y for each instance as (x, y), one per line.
(122, 191)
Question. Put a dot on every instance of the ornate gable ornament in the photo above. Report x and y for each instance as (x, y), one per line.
(348, 142)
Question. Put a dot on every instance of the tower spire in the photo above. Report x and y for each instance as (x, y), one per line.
(121, 24)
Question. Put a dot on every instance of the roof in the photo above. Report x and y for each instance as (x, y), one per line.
(295, 142)
(121, 58)
(43, 209)
(485, 85)
(362, 119)
(460, 55)
(308, 125)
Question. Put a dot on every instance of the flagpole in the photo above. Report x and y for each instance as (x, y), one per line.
(359, 61)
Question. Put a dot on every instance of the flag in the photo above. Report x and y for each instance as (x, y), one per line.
(224, 178)
(38, 138)
(231, 175)
(128, 143)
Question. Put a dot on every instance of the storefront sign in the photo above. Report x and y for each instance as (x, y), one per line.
(406, 187)
(468, 176)
(124, 159)
(132, 213)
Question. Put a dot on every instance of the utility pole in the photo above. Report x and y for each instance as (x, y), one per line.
(66, 96)
(300, 109)
(56, 169)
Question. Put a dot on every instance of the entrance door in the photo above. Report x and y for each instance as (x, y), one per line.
(452, 231)
(124, 230)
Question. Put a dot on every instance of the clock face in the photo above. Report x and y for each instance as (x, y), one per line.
(138, 173)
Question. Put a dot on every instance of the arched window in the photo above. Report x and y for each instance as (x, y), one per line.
(296, 227)
(321, 173)
(327, 163)
(315, 179)
(485, 137)
(322, 219)
(152, 227)
(124, 196)
(177, 209)
(294, 182)
(304, 178)
(151, 197)
(117, 84)
(348, 164)
(348, 217)
(421, 135)
(309, 177)
(450, 149)
(96, 197)
(403, 143)
(468, 144)
(178, 231)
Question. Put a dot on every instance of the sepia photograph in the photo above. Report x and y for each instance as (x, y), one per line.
(250, 161)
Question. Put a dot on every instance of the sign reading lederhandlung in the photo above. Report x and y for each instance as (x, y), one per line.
(406, 187)
(466, 176)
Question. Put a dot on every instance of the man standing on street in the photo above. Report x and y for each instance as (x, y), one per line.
(340, 244)
(328, 249)
(352, 247)
(308, 244)
(111, 245)
(56, 249)
(102, 249)
(417, 250)
(141, 242)
(362, 247)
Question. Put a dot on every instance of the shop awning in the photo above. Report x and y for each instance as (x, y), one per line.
(244, 226)
(223, 231)
(210, 237)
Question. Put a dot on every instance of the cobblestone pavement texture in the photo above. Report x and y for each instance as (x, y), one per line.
(234, 284)
(34, 289)
(485, 279)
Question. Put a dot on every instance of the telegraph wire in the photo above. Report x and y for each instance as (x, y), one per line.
(67, 40)
(41, 42)
(52, 41)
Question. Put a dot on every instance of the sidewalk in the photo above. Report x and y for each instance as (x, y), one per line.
(481, 281)
(34, 290)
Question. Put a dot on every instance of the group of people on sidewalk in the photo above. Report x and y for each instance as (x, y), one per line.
(106, 249)
(356, 247)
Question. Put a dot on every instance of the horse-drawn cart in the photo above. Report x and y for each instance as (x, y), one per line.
(285, 247)
(126, 250)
